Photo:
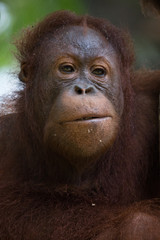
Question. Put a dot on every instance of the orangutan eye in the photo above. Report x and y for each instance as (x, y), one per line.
(99, 71)
(66, 68)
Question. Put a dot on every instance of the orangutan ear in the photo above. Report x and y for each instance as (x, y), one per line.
(23, 75)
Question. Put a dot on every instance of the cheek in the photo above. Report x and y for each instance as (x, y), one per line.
(117, 97)
(119, 101)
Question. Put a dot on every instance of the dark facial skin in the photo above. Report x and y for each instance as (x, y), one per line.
(82, 73)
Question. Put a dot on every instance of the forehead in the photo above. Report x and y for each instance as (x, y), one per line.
(81, 41)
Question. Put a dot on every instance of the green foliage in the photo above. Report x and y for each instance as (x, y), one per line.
(27, 12)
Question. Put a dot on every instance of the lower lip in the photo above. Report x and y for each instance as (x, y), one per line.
(92, 120)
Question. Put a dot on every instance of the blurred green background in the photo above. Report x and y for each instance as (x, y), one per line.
(145, 31)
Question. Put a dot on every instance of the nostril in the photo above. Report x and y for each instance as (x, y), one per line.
(78, 90)
(89, 90)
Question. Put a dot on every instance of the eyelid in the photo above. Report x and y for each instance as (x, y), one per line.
(61, 70)
(102, 63)
(68, 60)
(65, 59)
(97, 66)
(67, 64)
